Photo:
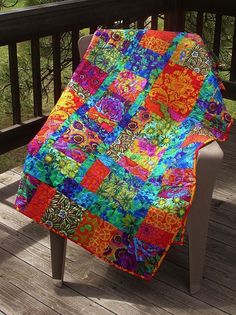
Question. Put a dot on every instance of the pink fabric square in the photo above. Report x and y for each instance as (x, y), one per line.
(89, 77)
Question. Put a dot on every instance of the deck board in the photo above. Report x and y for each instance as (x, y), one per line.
(93, 287)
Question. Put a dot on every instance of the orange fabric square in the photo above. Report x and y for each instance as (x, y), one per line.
(166, 36)
(153, 105)
(95, 176)
(178, 88)
(163, 220)
(155, 41)
(94, 232)
(40, 202)
(101, 237)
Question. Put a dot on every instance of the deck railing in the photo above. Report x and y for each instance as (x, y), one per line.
(54, 19)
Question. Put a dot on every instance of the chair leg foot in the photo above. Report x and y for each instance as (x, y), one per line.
(57, 283)
(194, 288)
(58, 253)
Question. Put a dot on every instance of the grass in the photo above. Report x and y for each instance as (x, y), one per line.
(12, 159)
(231, 107)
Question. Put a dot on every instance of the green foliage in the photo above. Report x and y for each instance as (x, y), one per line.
(227, 31)
(5, 5)
(12, 159)
(226, 44)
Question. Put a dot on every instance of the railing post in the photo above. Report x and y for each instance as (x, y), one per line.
(174, 21)
(233, 60)
(14, 79)
(56, 51)
(75, 52)
(200, 19)
(217, 35)
(154, 22)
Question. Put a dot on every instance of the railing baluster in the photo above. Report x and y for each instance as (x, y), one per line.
(56, 51)
(37, 88)
(216, 45)
(230, 88)
(233, 60)
(110, 25)
(14, 79)
(199, 23)
(126, 23)
(92, 29)
(174, 21)
(154, 22)
(75, 51)
(140, 21)
(168, 18)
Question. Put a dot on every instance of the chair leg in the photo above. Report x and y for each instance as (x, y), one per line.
(209, 158)
(58, 254)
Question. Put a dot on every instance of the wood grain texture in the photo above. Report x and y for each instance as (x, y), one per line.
(15, 301)
(41, 288)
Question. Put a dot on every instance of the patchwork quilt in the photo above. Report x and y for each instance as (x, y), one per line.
(114, 166)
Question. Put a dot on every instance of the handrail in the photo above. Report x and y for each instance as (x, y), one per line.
(224, 7)
(43, 20)
(63, 16)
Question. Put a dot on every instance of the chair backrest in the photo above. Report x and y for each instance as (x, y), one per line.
(83, 43)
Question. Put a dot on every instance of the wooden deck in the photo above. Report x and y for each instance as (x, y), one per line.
(92, 287)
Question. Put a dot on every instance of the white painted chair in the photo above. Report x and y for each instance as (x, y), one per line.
(208, 163)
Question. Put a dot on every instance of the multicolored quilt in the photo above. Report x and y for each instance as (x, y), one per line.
(114, 166)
